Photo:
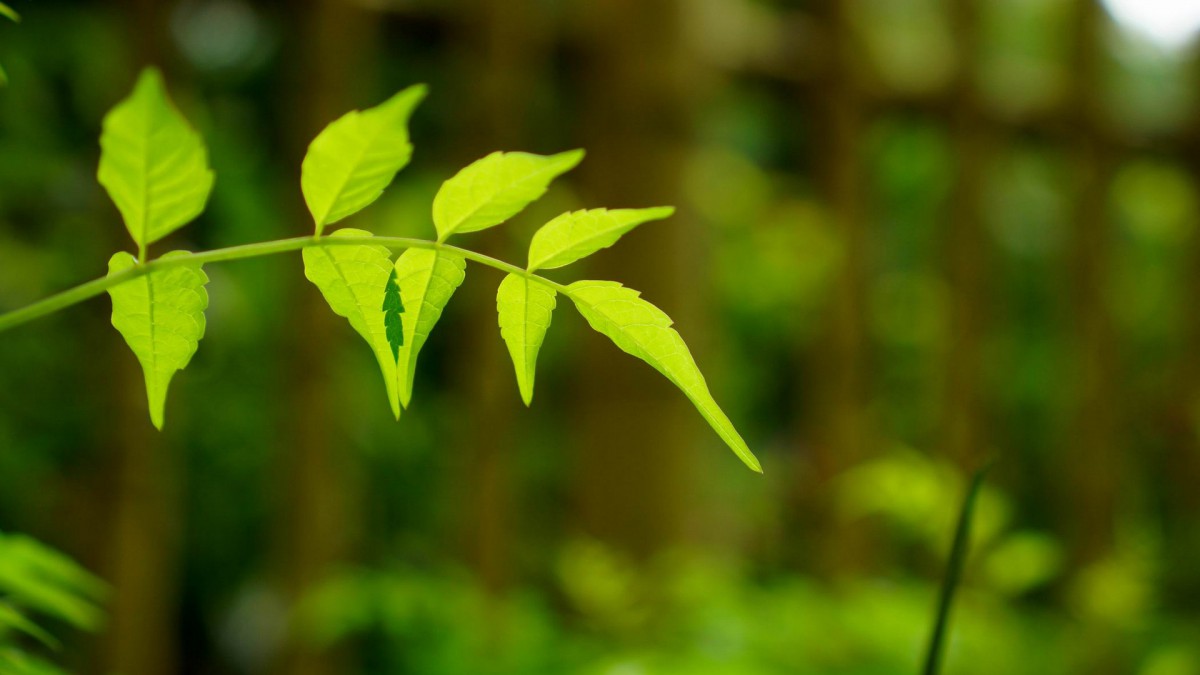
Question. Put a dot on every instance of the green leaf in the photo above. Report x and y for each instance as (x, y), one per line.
(643, 330)
(352, 160)
(954, 570)
(11, 619)
(525, 307)
(38, 578)
(393, 307)
(354, 280)
(153, 165)
(576, 235)
(14, 662)
(9, 12)
(427, 279)
(161, 316)
(496, 188)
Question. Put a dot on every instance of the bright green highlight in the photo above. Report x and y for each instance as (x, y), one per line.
(427, 279)
(496, 188)
(354, 281)
(352, 160)
(578, 234)
(161, 317)
(153, 165)
(643, 330)
(525, 308)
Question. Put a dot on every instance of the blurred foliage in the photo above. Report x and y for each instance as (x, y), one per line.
(36, 583)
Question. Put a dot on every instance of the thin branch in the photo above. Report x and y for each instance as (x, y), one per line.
(91, 289)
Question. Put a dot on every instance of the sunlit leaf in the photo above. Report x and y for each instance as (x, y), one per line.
(161, 317)
(427, 278)
(496, 188)
(153, 165)
(525, 307)
(643, 330)
(9, 12)
(354, 281)
(579, 234)
(352, 160)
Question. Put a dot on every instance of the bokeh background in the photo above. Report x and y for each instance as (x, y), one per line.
(912, 235)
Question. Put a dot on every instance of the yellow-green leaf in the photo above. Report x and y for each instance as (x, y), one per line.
(152, 163)
(352, 160)
(161, 317)
(643, 330)
(579, 234)
(354, 279)
(427, 278)
(525, 308)
(496, 188)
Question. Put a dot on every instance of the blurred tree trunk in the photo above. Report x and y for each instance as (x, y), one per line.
(317, 513)
(631, 428)
(1091, 461)
(505, 43)
(1181, 466)
(143, 540)
(837, 417)
(963, 436)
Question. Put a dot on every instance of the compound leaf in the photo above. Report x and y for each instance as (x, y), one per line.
(579, 234)
(427, 279)
(643, 330)
(354, 279)
(525, 307)
(161, 317)
(493, 189)
(352, 160)
(153, 165)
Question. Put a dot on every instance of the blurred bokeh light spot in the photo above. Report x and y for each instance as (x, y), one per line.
(1170, 23)
(219, 35)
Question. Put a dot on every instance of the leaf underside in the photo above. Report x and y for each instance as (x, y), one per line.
(578, 234)
(525, 308)
(153, 165)
(493, 189)
(161, 317)
(427, 279)
(643, 330)
(354, 279)
(351, 162)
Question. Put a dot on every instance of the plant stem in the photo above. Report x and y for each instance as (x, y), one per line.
(95, 287)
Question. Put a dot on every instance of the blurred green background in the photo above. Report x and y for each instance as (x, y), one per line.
(913, 235)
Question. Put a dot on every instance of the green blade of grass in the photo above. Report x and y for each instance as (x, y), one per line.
(954, 569)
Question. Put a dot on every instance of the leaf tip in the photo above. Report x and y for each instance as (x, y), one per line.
(572, 158)
(150, 78)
